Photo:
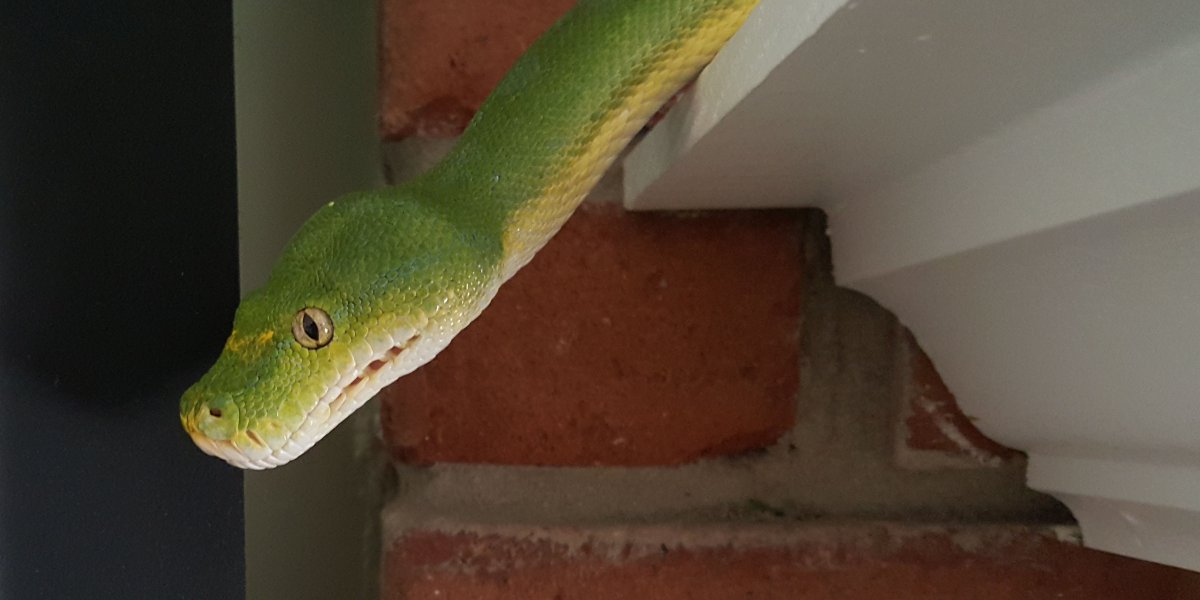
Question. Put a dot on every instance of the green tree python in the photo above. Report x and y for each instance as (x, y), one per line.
(376, 283)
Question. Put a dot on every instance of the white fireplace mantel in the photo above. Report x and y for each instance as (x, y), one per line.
(1020, 182)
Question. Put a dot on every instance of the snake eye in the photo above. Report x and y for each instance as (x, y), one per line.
(312, 327)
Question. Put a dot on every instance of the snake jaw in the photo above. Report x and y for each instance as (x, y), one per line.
(376, 363)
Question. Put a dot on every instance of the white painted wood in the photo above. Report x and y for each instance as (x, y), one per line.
(1020, 182)
(1052, 269)
(744, 64)
(1079, 345)
(877, 90)
(1130, 138)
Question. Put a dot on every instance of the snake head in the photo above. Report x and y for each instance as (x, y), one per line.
(350, 307)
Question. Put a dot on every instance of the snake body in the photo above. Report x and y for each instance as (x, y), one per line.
(376, 283)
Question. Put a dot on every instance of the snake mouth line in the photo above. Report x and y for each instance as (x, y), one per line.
(349, 391)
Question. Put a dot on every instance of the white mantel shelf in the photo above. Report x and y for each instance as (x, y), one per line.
(1020, 182)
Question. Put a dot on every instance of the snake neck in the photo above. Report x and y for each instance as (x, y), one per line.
(567, 108)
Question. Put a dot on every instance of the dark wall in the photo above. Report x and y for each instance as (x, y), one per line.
(118, 278)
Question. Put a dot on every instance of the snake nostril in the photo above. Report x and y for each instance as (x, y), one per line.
(216, 418)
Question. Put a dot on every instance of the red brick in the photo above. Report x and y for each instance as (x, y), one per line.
(935, 433)
(439, 59)
(631, 339)
(863, 563)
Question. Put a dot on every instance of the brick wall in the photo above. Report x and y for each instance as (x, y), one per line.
(686, 406)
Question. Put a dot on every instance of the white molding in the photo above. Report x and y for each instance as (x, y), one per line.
(1107, 499)
(1130, 138)
(1020, 183)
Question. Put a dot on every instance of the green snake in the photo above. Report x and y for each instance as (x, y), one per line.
(376, 283)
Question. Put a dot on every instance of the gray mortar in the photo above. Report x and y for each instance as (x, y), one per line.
(836, 464)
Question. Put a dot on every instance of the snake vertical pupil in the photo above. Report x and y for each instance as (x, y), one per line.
(312, 328)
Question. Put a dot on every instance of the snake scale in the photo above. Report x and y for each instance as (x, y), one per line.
(376, 283)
